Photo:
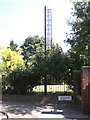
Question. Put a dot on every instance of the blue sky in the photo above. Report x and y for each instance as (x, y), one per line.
(22, 18)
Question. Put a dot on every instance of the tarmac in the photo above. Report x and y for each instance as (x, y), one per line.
(36, 111)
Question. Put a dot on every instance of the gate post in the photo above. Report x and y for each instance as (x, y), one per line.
(85, 89)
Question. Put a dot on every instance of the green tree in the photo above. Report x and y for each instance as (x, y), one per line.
(31, 47)
(2, 70)
(73, 61)
(21, 81)
(13, 46)
(11, 60)
(54, 65)
(79, 38)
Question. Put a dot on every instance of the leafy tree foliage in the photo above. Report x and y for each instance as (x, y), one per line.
(13, 46)
(21, 81)
(56, 65)
(73, 61)
(11, 59)
(18, 76)
(31, 47)
(2, 68)
(79, 39)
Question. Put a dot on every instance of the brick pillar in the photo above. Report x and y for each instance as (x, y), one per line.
(85, 89)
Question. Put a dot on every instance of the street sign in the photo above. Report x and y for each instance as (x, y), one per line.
(65, 98)
(48, 28)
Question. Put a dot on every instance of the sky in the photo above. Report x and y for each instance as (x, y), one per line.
(22, 18)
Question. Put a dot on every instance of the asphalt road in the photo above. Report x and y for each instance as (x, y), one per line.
(37, 110)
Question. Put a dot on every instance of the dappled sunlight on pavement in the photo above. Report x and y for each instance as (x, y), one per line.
(37, 110)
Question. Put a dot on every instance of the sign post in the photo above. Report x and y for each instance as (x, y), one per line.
(45, 84)
(47, 37)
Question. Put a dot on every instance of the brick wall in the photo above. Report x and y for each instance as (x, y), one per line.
(85, 91)
(31, 98)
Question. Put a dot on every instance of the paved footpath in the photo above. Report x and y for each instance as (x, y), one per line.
(37, 110)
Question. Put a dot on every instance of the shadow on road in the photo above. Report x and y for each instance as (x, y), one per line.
(46, 110)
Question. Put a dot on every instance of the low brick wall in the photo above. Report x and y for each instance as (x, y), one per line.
(86, 89)
(31, 98)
